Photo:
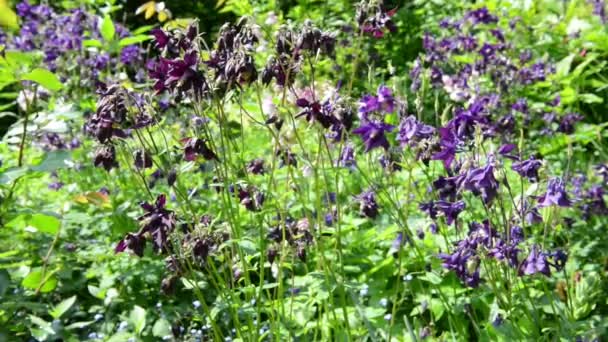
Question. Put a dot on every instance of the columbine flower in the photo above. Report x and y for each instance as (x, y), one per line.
(195, 147)
(158, 222)
(411, 130)
(448, 144)
(536, 262)
(133, 242)
(555, 195)
(567, 123)
(383, 101)
(347, 157)
(367, 204)
(451, 210)
(373, 134)
(481, 181)
(315, 111)
(528, 168)
(481, 16)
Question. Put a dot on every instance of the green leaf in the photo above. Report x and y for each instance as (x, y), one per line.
(563, 66)
(45, 223)
(133, 40)
(44, 325)
(35, 278)
(12, 174)
(45, 78)
(161, 328)
(590, 98)
(107, 28)
(143, 29)
(137, 317)
(79, 325)
(91, 43)
(62, 307)
(8, 18)
(52, 161)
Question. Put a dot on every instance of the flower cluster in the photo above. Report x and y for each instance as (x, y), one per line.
(60, 37)
(291, 48)
(374, 19)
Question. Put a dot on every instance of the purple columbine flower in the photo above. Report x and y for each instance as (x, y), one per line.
(368, 207)
(386, 99)
(448, 144)
(411, 130)
(373, 134)
(450, 210)
(347, 157)
(429, 208)
(448, 187)
(528, 168)
(481, 16)
(567, 123)
(536, 262)
(130, 54)
(481, 181)
(555, 195)
(383, 101)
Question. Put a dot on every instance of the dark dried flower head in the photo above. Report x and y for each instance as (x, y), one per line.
(256, 167)
(105, 156)
(132, 242)
(142, 159)
(195, 147)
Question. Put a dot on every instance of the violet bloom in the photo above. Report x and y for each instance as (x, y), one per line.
(368, 207)
(555, 195)
(448, 187)
(448, 144)
(503, 251)
(383, 101)
(567, 123)
(481, 181)
(429, 208)
(386, 99)
(315, 111)
(347, 157)
(130, 54)
(411, 130)
(536, 262)
(451, 210)
(481, 16)
(373, 134)
(528, 168)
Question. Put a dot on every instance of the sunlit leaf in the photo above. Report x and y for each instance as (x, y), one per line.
(44, 78)
(107, 28)
(62, 307)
